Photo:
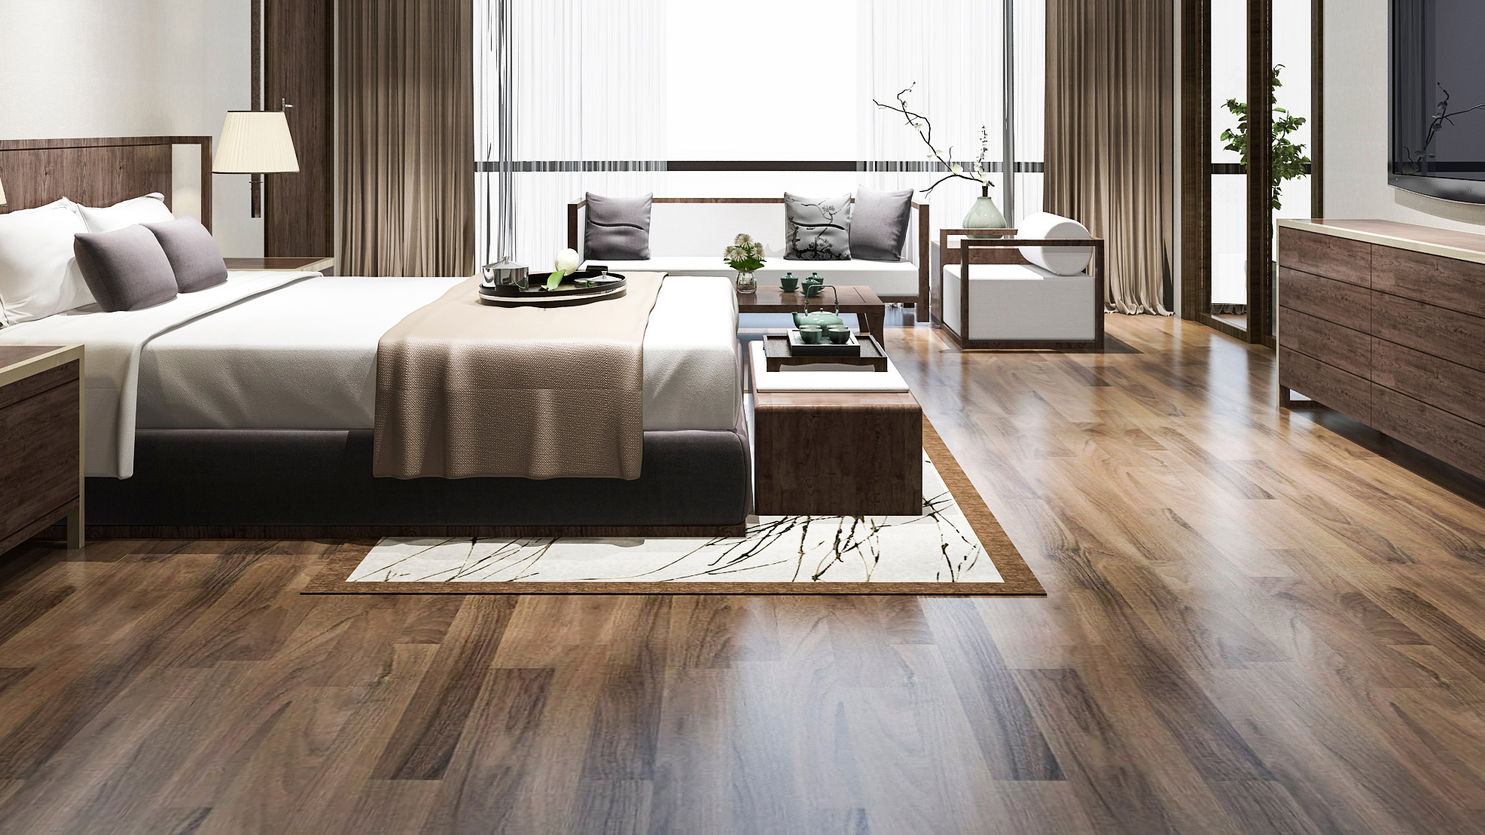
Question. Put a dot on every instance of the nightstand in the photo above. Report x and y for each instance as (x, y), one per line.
(316, 264)
(41, 428)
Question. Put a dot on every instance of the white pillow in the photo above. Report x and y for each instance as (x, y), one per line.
(38, 275)
(150, 208)
(1058, 260)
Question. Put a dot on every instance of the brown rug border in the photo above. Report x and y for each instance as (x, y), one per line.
(1018, 579)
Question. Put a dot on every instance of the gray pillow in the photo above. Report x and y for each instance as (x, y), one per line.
(618, 228)
(126, 269)
(817, 230)
(879, 224)
(193, 254)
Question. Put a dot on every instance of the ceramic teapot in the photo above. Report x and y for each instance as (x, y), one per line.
(821, 318)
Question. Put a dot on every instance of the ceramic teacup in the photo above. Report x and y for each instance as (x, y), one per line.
(789, 282)
(811, 289)
(810, 334)
(839, 334)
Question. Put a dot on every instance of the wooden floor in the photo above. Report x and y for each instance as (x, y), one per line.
(1257, 622)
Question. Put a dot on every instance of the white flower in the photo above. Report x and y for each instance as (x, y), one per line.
(568, 260)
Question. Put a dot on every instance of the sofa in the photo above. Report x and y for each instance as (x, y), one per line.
(1039, 286)
(687, 236)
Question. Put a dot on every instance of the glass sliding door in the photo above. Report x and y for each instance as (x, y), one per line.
(1227, 300)
(1237, 52)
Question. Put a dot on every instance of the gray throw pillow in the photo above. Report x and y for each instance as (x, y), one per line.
(879, 224)
(193, 254)
(817, 230)
(126, 269)
(618, 228)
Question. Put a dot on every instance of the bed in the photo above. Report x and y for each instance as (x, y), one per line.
(253, 406)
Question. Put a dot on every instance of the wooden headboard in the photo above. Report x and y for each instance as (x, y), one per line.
(95, 171)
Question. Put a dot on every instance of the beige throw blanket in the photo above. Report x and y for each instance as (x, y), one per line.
(465, 389)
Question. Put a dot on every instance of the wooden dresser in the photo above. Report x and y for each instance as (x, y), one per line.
(40, 442)
(1386, 322)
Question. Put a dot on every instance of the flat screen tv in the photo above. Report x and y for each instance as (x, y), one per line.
(1438, 98)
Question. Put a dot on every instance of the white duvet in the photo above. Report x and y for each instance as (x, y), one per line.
(293, 350)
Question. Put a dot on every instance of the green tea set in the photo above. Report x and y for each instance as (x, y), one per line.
(822, 322)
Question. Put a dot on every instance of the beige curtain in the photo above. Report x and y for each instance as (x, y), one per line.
(1109, 137)
(406, 137)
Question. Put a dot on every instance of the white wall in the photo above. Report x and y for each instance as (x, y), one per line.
(1356, 126)
(76, 68)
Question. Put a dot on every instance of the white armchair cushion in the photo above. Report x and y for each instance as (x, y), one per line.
(1058, 260)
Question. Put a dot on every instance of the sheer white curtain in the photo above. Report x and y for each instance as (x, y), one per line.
(606, 89)
(955, 50)
(1030, 85)
(588, 83)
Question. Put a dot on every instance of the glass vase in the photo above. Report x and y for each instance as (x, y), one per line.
(746, 283)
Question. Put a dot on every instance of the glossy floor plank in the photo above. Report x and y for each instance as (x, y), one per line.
(1257, 621)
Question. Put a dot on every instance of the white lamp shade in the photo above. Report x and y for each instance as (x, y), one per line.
(255, 142)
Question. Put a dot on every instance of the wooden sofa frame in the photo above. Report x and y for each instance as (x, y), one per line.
(973, 250)
(575, 236)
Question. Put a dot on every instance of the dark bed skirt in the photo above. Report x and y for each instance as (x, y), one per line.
(292, 483)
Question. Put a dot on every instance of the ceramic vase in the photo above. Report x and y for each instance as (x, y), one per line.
(984, 215)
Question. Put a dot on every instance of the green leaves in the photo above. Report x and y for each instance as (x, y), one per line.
(555, 280)
(1287, 157)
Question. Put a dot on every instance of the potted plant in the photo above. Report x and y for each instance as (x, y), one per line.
(1287, 157)
(983, 214)
(1289, 160)
(746, 256)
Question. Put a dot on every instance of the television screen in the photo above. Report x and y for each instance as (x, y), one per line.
(1438, 98)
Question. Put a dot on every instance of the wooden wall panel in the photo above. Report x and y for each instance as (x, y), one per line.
(299, 65)
(95, 171)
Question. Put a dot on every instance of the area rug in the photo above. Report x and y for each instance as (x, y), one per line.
(954, 547)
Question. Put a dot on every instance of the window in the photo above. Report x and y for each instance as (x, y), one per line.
(679, 99)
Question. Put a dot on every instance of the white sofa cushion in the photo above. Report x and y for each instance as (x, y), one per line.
(1059, 260)
(1022, 302)
(708, 228)
(885, 278)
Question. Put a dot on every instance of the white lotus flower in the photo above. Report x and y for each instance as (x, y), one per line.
(568, 260)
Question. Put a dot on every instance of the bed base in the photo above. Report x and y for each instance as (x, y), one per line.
(293, 484)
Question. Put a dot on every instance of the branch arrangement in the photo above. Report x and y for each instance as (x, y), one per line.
(1441, 115)
(919, 122)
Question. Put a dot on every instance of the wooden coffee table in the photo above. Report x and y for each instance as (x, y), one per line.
(837, 453)
(854, 298)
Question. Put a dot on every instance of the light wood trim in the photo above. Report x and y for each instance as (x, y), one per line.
(77, 519)
(314, 265)
(30, 366)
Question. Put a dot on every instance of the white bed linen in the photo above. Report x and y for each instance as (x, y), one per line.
(305, 357)
(113, 344)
